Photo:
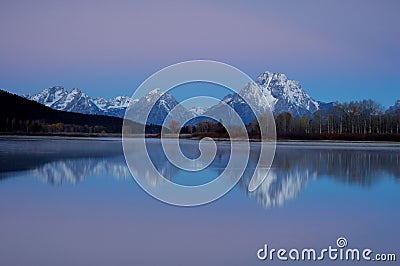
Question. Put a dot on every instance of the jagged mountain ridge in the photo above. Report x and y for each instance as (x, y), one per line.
(13, 106)
(270, 89)
(156, 105)
(252, 95)
(59, 98)
(77, 101)
(286, 95)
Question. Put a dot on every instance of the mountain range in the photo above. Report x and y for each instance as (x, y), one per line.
(19, 114)
(280, 94)
(77, 101)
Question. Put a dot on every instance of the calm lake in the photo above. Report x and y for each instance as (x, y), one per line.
(72, 201)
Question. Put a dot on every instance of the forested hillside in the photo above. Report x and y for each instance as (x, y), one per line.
(19, 115)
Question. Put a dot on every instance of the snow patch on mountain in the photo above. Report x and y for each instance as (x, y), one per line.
(285, 95)
(198, 110)
(271, 90)
(249, 95)
(77, 101)
(156, 106)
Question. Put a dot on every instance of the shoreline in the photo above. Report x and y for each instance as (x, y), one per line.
(102, 136)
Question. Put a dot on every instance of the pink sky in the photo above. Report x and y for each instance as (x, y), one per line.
(108, 48)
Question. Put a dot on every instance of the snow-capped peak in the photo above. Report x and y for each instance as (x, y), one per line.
(266, 77)
(76, 91)
(270, 89)
(198, 110)
(156, 91)
(286, 95)
(77, 101)
(49, 96)
(156, 105)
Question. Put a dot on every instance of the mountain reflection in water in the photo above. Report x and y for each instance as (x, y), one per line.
(59, 161)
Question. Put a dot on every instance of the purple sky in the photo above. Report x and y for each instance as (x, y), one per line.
(338, 50)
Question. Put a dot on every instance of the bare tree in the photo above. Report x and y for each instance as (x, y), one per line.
(174, 126)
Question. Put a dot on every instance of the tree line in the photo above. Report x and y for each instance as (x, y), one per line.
(356, 120)
(15, 125)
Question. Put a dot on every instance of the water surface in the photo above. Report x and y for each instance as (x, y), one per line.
(74, 202)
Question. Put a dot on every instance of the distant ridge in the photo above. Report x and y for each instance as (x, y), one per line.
(59, 98)
(17, 113)
(281, 94)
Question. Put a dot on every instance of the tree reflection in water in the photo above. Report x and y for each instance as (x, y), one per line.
(295, 164)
